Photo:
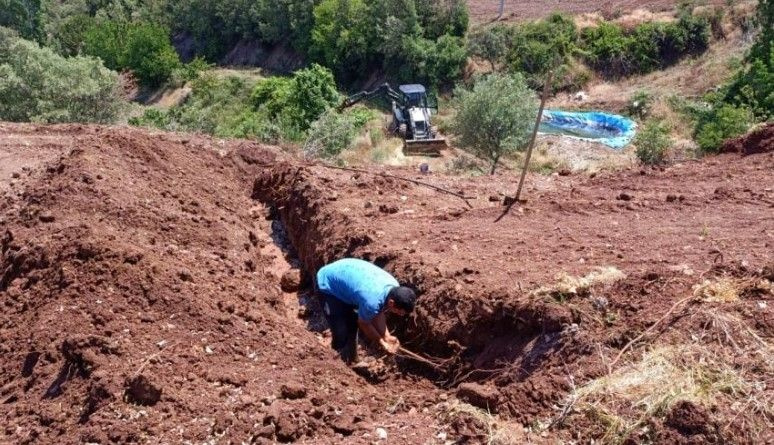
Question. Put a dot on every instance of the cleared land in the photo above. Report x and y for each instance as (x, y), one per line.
(141, 273)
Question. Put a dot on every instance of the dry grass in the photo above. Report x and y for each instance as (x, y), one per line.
(725, 364)
(567, 285)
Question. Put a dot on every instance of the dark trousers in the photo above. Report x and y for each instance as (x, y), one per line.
(342, 319)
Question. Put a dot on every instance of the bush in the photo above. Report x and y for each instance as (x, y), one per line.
(721, 123)
(143, 48)
(299, 100)
(650, 46)
(149, 53)
(652, 142)
(329, 135)
(639, 105)
(38, 85)
(753, 86)
(490, 44)
(496, 117)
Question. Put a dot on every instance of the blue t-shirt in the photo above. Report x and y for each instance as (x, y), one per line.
(358, 283)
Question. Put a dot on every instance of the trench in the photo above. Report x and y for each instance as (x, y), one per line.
(474, 334)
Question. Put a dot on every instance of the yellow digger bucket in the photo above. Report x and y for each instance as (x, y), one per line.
(424, 147)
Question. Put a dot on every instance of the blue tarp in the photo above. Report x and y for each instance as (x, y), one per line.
(610, 129)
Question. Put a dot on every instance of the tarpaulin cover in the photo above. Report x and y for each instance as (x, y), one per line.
(610, 129)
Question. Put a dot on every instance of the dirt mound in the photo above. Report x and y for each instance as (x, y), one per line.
(149, 296)
(139, 307)
(760, 140)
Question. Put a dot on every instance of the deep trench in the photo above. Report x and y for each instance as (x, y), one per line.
(316, 233)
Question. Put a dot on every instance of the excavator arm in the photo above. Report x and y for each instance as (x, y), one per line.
(382, 90)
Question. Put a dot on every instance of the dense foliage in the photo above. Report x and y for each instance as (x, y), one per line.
(721, 123)
(38, 85)
(272, 110)
(615, 51)
(496, 116)
(753, 86)
(144, 48)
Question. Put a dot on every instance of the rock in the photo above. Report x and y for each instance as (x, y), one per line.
(671, 198)
(381, 433)
(185, 275)
(15, 175)
(388, 209)
(494, 198)
(565, 172)
(140, 391)
(482, 396)
(293, 391)
(288, 427)
(291, 280)
(623, 196)
(46, 217)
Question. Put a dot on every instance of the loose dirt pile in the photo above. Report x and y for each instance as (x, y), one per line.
(760, 140)
(145, 299)
(138, 307)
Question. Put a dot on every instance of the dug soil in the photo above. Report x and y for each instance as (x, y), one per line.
(149, 292)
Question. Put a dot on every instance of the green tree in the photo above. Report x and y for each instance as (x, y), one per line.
(39, 85)
(141, 47)
(21, 15)
(342, 37)
(312, 92)
(490, 44)
(495, 117)
(149, 53)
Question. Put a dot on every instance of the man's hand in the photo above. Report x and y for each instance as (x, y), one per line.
(390, 344)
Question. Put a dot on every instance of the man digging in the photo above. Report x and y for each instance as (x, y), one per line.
(356, 293)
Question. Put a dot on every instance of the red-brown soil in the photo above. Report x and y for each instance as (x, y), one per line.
(142, 302)
(760, 140)
(484, 11)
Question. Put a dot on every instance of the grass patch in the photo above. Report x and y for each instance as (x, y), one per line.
(495, 430)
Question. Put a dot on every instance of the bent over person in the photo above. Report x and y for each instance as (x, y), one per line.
(356, 293)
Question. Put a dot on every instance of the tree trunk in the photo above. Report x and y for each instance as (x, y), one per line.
(502, 9)
(494, 164)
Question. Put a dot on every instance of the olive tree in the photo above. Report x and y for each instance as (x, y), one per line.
(495, 117)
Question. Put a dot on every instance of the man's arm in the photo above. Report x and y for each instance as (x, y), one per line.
(376, 331)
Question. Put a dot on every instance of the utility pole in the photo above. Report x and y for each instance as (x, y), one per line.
(502, 10)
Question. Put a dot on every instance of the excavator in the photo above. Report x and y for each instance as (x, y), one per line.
(411, 117)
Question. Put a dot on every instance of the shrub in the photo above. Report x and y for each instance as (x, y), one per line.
(495, 117)
(639, 105)
(652, 142)
(490, 44)
(721, 123)
(540, 46)
(650, 46)
(143, 48)
(312, 92)
(329, 135)
(149, 53)
(38, 85)
(753, 85)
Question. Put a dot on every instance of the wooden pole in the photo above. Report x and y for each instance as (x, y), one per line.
(543, 99)
(502, 10)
